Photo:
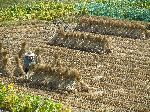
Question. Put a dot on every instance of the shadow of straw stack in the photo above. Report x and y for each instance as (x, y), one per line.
(18, 71)
(38, 55)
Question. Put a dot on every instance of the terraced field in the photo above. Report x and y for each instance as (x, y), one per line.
(117, 81)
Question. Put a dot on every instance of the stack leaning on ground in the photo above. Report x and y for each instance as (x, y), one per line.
(18, 71)
(55, 76)
(38, 56)
(22, 50)
(5, 63)
(108, 26)
(83, 41)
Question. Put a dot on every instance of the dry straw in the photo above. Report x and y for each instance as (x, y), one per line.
(38, 68)
(5, 69)
(1, 45)
(48, 69)
(1, 50)
(45, 69)
(4, 53)
(85, 36)
(75, 74)
(110, 24)
(18, 71)
(37, 51)
(22, 50)
(80, 41)
(38, 55)
(5, 61)
(60, 31)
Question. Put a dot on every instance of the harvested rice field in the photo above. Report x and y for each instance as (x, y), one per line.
(90, 64)
(115, 81)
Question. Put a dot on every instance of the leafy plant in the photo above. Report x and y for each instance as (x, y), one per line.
(19, 102)
(50, 10)
(117, 9)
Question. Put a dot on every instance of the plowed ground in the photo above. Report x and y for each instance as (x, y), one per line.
(119, 81)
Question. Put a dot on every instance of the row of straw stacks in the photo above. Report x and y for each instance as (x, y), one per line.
(82, 35)
(40, 70)
(128, 26)
(52, 75)
(110, 22)
(81, 41)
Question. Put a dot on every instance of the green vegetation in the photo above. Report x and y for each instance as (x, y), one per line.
(50, 10)
(139, 11)
(36, 10)
(18, 102)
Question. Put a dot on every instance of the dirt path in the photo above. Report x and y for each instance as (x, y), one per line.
(120, 80)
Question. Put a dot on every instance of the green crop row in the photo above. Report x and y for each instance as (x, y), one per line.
(116, 9)
(18, 102)
(50, 10)
(36, 10)
(134, 3)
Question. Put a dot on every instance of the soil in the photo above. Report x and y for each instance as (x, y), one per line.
(118, 81)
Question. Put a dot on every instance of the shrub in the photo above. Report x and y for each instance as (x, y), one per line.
(19, 102)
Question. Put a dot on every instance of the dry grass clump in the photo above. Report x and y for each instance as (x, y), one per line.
(60, 31)
(43, 69)
(5, 68)
(18, 71)
(5, 55)
(74, 73)
(37, 51)
(38, 55)
(22, 50)
(5, 62)
(64, 72)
